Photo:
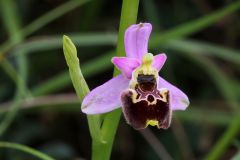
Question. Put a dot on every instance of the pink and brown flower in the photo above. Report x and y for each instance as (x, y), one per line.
(145, 97)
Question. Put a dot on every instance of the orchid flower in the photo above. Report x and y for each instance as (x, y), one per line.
(145, 97)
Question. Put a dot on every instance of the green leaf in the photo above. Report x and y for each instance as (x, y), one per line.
(225, 140)
(44, 20)
(203, 48)
(9, 11)
(25, 149)
(194, 25)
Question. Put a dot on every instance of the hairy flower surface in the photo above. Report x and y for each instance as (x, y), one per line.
(145, 97)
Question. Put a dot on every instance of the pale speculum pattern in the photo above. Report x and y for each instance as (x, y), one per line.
(145, 105)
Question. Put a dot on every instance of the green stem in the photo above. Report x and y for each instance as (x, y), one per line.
(25, 149)
(111, 120)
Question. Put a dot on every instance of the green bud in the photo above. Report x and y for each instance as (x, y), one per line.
(70, 52)
(80, 85)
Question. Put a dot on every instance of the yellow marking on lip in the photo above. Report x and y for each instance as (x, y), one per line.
(152, 123)
(165, 94)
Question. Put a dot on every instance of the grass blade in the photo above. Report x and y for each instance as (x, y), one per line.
(194, 26)
(25, 149)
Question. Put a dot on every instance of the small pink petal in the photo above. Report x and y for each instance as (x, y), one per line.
(159, 61)
(126, 65)
(136, 40)
(106, 97)
(178, 99)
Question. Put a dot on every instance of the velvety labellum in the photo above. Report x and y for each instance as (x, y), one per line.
(145, 105)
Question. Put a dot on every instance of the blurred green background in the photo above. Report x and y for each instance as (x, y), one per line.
(38, 106)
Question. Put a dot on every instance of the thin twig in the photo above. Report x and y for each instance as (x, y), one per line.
(182, 139)
(155, 144)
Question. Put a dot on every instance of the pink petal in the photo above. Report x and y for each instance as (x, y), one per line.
(126, 65)
(178, 99)
(159, 61)
(136, 40)
(106, 97)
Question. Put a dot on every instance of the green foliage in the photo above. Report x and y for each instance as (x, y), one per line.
(217, 63)
(25, 149)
